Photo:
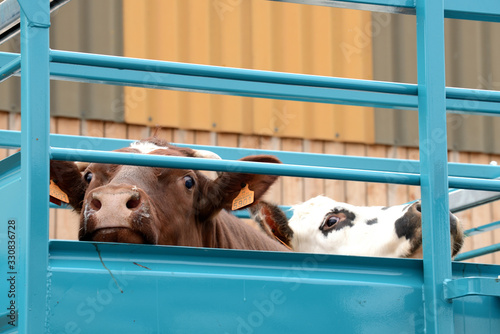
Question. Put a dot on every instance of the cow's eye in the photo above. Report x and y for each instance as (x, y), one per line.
(330, 222)
(88, 177)
(188, 182)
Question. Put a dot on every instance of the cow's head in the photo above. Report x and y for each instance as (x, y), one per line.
(132, 204)
(322, 225)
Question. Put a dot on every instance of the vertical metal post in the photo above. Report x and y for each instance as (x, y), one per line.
(33, 232)
(433, 164)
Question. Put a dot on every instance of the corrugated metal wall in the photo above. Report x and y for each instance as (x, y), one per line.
(472, 53)
(84, 26)
(256, 34)
(266, 35)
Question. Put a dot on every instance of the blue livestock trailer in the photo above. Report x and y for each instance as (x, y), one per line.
(82, 287)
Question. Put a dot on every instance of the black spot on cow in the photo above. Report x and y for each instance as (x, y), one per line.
(372, 221)
(410, 227)
(346, 220)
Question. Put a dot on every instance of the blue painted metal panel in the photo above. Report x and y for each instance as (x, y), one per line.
(148, 289)
(11, 214)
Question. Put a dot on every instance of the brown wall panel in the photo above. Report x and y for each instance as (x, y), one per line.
(84, 26)
(471, 50)
(256, 34)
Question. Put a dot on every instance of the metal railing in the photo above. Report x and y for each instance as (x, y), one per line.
(430, 96)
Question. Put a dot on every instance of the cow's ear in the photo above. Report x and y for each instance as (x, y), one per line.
(272, 220)
(66, 175)
(231, 185)
(221, 192)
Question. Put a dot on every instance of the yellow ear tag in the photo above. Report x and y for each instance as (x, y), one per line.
(244, 198)
(56, 192)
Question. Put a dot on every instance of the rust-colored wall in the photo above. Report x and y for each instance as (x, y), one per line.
(256, 34)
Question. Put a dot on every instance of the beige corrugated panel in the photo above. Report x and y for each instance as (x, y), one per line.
(256, 34)
(85, 26)
(472, 51)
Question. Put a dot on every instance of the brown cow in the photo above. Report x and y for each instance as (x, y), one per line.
(132, 204)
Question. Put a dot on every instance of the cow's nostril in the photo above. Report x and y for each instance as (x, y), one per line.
(95, 204)
(133, 203)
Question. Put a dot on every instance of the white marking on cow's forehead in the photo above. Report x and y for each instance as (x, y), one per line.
(146, 147)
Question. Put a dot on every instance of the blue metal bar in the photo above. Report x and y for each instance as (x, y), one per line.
(472, 286)
(10, 165)
(481, 10)
(434, 164)
(482, 229)
(204, 84)
(196, 70)
(263, 168)
(156, 66)
(287, 210)
(477, 252)
(122, 63)
(456, 170)
(391, 6)
(33, 231)
(204, 78)
(233, 166)
(10, 69)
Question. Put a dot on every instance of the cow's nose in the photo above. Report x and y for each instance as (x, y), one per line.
(118, 200)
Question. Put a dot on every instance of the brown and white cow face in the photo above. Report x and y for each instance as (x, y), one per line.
(322, 225)
(133, 204)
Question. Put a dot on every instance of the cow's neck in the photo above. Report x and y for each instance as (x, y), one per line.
(227, 231)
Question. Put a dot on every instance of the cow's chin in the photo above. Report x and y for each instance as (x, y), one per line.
(116, 234)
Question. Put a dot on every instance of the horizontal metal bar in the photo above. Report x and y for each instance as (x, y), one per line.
(310, 88)
(477, 252)
(234, 166)
(386, 6)
(11, 139)
(123, 63)
(473, 183)
(482, 229)
(202, 84)
(480, 10)
(10, 69)
(287, 210)
(262, 76)
(471, 286)
(254, 83)
(263, 168)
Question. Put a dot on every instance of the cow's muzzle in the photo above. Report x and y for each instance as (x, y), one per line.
(117, 213)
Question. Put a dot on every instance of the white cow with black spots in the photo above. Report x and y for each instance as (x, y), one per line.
(322, 225)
